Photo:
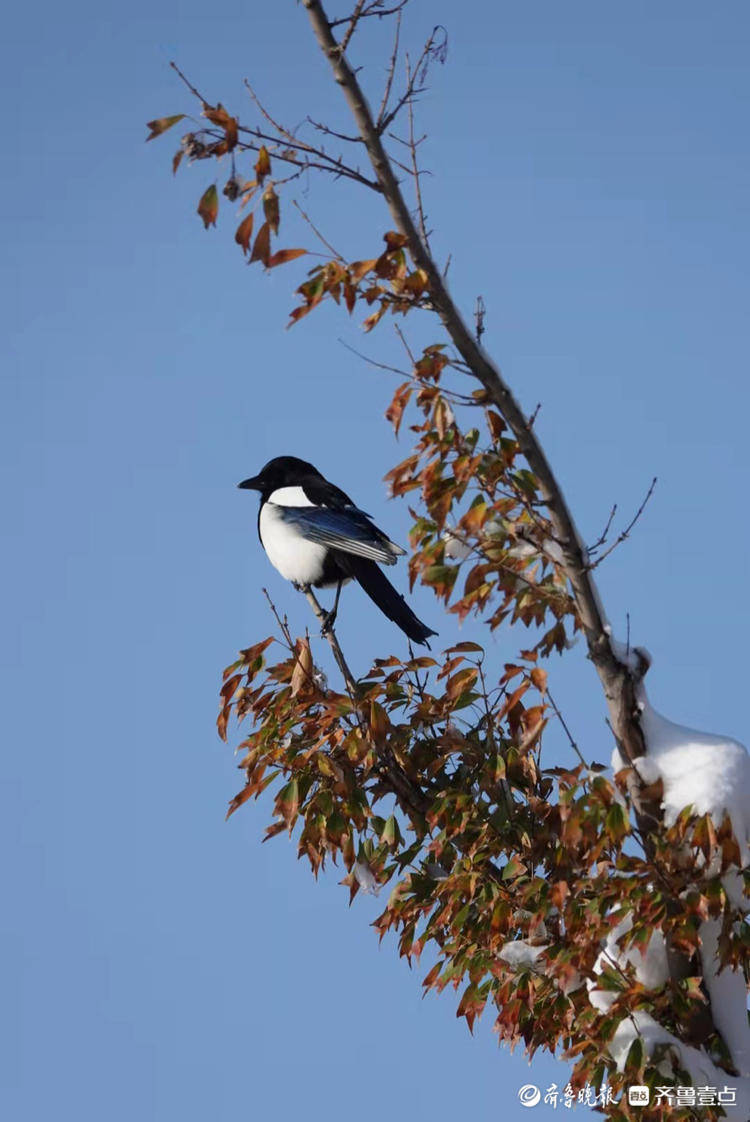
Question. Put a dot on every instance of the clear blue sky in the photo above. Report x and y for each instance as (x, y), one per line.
(592, 182)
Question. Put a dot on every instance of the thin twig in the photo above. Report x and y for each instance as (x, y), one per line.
(189, 84)
(283, 623)
(405, 344)
(412, 89)
(316, 231)
(416, 173)
(605, 532)
(624, 534)
(568, 733)
(391, 72)
(332, 132)
(262, 109)
(374, 9)
(353, 21)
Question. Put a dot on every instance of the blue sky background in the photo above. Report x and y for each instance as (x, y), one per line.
(592, 182)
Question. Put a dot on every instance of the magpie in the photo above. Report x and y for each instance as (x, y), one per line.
(315, 536)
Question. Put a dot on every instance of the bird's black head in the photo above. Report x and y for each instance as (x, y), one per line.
(281, 471)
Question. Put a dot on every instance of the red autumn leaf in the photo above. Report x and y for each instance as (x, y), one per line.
(244, 232)
(282, 256)
(496, 424)
(262, 246)
(208, 207)
(161, 124)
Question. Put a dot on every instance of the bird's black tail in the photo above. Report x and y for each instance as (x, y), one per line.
(381, 592)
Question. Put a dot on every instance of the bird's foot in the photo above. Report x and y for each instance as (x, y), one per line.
(329, 618)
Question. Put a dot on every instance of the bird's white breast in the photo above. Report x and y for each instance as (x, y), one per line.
(296, 558)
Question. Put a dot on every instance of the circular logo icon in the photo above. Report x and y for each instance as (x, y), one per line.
(529, 1094)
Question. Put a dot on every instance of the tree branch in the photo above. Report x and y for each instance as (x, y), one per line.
(618, 679)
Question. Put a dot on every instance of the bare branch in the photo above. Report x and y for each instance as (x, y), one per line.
(332, 132)
(375, 8)
(262, 109)
(433, 48)
(416, 173)
(316, 231)
(282, 622)
(353, 21)
(390, 74)
(605, 532)
(189, 85)
(621, 537)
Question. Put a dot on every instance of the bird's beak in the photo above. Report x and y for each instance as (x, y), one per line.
(252, 484)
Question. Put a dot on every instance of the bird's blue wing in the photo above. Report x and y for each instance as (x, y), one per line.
(348, 530)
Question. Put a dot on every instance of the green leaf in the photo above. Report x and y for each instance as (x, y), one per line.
(617, 824)
(208, 207)
(161, 124)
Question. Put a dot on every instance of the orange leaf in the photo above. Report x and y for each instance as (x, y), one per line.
(220, 117)
(271, 208)
(539, 678)
(162, 124)
(262, 247)
(208, 207)
(248, 191)
(395, 410)
(372, 320)
(298, 313)
(263, 164)
(358, 269)
(244, 232)
(284, 255)
(303, 667)
(394, 240)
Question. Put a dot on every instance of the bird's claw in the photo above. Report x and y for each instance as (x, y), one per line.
(326, 626)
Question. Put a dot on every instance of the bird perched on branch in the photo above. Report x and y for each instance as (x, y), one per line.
(315, 536)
